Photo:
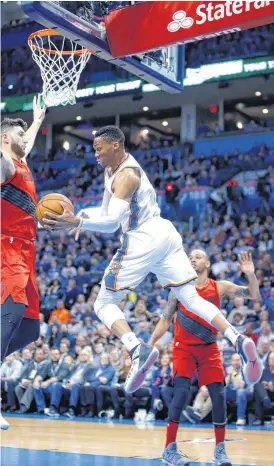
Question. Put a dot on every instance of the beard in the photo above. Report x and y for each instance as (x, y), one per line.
(18, 150)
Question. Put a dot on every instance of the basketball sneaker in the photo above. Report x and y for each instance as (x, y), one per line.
(142, 359)
(220, 456)
(252, 365)
(173, 457)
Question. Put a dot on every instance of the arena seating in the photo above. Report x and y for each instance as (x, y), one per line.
(69, 272)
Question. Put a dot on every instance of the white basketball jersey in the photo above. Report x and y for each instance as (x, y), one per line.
(143, 204)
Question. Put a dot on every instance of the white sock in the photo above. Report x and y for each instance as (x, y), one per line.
(232, 334)
(130, 340)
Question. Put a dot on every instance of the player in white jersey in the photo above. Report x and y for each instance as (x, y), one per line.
(149, 243)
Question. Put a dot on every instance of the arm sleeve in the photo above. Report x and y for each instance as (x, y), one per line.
(95, 212)
(107, 223)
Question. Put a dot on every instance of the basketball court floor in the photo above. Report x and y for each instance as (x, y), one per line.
(32, 441)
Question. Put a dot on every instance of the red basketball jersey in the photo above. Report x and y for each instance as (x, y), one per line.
(191, 329)
(18, 204)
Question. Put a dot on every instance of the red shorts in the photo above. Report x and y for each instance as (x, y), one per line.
(205, 359)
(18, 274)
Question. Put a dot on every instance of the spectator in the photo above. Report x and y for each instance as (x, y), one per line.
(69, 387)
(98, 351)
(62, 314)
(161, 377)
(10, 372)
(266, 334)
(24, 391)
(43, 326)
(264, 350)
(98, 383)
(236, 389)
(142, 334)
(264, 391)
(42, 385)
(250, 334)
(201, 408)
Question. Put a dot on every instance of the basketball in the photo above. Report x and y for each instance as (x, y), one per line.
(52, 203)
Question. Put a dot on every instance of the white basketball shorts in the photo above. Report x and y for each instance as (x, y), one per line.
(155, 246)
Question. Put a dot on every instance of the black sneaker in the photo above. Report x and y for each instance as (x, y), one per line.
(142, 359)
(83, 412)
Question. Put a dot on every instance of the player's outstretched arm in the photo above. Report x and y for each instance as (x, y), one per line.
(251, 291)
(125, 185)
(38, 117)
(165, 321)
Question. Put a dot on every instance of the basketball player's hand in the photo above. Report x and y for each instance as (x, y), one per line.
(39, 112)
(77, 231)
(246, 263)
(66, 221)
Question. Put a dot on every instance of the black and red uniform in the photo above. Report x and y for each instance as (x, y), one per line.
(195, 346)
(18, 234)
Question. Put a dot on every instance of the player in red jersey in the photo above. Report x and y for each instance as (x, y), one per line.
(195, 348)
(19, 294)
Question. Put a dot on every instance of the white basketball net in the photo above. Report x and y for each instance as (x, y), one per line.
(60, 69)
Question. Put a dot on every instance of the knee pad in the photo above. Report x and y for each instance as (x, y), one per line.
(217, 395)
(180, 396)
(108, 313)
(189, 297)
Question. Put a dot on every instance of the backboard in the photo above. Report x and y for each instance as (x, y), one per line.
(162, 67)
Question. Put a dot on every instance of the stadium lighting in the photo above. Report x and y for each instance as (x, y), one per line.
(78, 118)
(265, 110)
(146, 108)
(144, 132)
(10, 86)
(258, 94)
(66, 145)
(165, 123)
(240, 125)
(94, 132)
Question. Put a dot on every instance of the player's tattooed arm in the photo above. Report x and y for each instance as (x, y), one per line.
(165, 321)
(171, 307)
(251, 291)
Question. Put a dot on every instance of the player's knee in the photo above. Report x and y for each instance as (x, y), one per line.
(189, 297)
(217, 395)
(12, 313)
(108, 313)
(180, 396)
(181, 387)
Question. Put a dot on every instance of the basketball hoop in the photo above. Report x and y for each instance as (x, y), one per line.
(60, 69)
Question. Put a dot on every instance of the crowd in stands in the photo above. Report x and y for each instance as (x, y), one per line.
(242, 44)
(78, 368)
(164, 163)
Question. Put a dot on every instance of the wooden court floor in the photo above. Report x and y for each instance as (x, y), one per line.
(35, 440)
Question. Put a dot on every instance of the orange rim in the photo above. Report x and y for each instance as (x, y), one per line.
(50, 32)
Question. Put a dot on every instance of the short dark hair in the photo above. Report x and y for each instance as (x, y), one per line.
(9, 123)
(112, 134)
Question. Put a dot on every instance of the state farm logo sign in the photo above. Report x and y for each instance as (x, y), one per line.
(180, 20)
(213, 11)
